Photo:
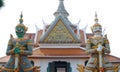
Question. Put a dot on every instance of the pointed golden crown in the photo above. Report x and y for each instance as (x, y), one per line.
(96, 21)
(21, 23)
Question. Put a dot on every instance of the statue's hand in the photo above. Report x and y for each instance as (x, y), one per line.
(100, 47)
(17, 50)
(21, 51)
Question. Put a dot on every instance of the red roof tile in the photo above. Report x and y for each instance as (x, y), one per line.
(60, 53)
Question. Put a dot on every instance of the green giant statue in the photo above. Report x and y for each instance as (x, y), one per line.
(18, 49)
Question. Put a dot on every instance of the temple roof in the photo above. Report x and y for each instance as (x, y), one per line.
(39, 35)
(67, 28)
(66, 25)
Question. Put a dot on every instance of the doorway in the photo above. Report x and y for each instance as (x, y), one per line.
(59, 66)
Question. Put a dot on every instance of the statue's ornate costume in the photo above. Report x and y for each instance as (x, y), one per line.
(93, 63)
(18, 49)
(26, 46)
(98, 47)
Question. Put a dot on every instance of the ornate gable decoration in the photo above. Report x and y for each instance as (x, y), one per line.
(59, 34)
(60, 30)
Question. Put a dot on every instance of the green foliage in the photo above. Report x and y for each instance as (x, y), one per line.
(1, 3)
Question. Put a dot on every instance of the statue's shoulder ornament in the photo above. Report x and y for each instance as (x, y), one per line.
(88, 41)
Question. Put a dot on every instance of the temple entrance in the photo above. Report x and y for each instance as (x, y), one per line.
(60, 70)
(59, 66)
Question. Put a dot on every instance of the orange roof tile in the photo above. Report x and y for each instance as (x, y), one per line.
(113, 58)
(4, 59)
(59, 52)
(30, 35)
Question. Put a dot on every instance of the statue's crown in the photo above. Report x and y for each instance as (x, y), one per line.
(96, 25)
(21, 23)
(96, 22)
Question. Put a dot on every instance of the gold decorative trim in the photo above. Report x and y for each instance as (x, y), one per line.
(96, 25)
(27, 69)
(29, 43)
(10, 43)
(92, 69)
(8, 69)
(59, 34)
(23, 26)
(11, 51)
(80, 68)
(108, 69)
(106, 41)
(11, 70)
(88, 41)
(95, 46)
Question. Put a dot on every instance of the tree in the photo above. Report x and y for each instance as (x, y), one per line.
(1, 3)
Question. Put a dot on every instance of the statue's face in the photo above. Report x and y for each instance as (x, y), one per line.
(97, 30)
(20, 31)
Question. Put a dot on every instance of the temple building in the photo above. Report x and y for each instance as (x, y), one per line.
(60, 46)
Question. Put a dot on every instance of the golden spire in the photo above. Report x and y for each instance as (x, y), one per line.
(96, 19)
(96, 22)
(21, 20)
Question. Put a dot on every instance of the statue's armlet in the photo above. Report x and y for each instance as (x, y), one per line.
(107, 47)
(106, 41)
(10, 48)
(10, 52)
(89, 50)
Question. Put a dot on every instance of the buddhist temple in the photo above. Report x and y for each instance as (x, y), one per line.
(61, 45)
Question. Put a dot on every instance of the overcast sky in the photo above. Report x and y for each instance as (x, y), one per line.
(35, 10)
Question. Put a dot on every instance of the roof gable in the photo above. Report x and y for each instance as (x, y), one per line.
(59, 32)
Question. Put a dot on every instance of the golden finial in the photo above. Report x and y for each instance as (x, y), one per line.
(96, 19)
(21, 20)
(96, 22)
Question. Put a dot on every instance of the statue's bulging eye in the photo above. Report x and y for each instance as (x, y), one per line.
(19, 30)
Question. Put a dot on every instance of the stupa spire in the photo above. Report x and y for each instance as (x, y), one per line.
(61, 10)
(21, 20)
(96, 19)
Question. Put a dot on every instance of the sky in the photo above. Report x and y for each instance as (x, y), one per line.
(84, 10)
